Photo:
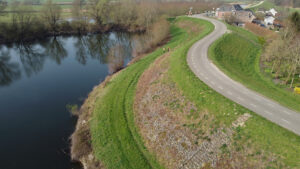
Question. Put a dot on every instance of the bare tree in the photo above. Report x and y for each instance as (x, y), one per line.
(295, 60)
(52, 14)
(99, 10)
(23, 18)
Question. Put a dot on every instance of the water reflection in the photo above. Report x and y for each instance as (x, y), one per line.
(55, 50)
(82, 49)
(9, 70)
(31, 58)
(113, 49)
(38, 80)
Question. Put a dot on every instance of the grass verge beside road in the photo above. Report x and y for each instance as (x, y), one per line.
(238, 55)
(261, 143)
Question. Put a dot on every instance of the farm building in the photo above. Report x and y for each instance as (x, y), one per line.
(235, 10)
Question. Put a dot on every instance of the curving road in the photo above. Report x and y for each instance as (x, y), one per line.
(206, 71)
(255, 5)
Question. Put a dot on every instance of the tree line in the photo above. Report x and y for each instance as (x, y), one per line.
(283, 53)
(95, 16)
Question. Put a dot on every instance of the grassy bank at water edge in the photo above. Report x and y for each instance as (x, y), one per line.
(115, 138)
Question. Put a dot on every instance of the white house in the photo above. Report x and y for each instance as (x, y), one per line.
(272, 11)
(269, 20)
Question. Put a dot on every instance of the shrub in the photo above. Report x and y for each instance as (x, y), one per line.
(65, 26)
(73, 109)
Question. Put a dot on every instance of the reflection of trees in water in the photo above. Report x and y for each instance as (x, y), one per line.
(99, 46)
(124, 39)
(82, 52)
(139, 44)
(119, 51)
(112, 49)
(115, 58)
(9, 71)
(55, 50)
(31, 58)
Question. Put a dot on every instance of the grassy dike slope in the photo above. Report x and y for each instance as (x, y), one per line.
(267, 5)
(115, 138)
(261, 142)
(238, 55)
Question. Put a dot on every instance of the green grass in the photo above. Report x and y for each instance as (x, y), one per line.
(115, 138)
(261, 135)
(36, 8)
(267, 5)
(238, 55)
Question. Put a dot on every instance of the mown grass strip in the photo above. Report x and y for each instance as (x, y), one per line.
(261, 135)
(238, 55)
(115, 139)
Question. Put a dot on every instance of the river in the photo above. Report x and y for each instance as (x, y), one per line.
(38, 80)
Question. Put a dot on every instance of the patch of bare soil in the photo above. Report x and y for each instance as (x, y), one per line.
(176, 132)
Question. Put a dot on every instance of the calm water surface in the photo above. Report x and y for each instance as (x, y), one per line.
(37, 81)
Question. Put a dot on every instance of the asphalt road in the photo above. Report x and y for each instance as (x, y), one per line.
(255, 5)
(207, 72)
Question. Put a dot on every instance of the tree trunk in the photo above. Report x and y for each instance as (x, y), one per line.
(273, 68)
(293, 79)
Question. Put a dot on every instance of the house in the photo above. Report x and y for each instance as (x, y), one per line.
(272, 12)
(235, 10)
(269, 20)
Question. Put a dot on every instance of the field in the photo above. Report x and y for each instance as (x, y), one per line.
(267, 5)
(66, 11)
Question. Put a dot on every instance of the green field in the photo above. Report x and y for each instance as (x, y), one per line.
(41, 1)
(66, 12)
(115, 139)
(267, 5)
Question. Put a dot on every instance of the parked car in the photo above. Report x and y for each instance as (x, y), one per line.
(263, 25)
(256, 21)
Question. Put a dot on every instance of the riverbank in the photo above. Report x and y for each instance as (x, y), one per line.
(81, 147)
(108, 114)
